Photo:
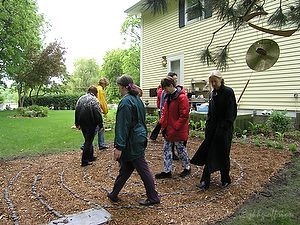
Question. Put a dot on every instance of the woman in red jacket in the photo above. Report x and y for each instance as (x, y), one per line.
(174, 126)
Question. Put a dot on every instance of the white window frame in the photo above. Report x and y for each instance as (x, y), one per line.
(177, 57)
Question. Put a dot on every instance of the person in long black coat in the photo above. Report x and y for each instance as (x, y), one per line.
(214, 151)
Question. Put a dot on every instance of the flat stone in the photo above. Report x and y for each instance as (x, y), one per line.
(87, 217)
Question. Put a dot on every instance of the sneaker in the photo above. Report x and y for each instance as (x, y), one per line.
(185, 172)
(147, 202)
(103, 148)
(163, 175)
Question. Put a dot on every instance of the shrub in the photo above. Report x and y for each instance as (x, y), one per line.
(278, 145)
(294, 134)
(32, 111)
(270, 144)
(293, 147)
(279, 121)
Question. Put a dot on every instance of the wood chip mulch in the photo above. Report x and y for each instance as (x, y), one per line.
(40, 189)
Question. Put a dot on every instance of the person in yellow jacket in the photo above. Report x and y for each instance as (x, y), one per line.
(103, 83)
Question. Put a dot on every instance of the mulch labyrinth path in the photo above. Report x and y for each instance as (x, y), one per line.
(40, 189)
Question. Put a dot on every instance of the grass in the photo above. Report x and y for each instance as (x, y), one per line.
(281, 208)
(34, 136)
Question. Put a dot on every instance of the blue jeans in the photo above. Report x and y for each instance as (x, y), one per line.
(100, 137)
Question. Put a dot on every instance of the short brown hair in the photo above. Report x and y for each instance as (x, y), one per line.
(167, 81)
(172, 74)
(92, 89)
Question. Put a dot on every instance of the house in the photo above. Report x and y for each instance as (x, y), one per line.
(176, 38)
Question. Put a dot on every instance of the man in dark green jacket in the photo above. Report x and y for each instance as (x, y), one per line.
(131, 141)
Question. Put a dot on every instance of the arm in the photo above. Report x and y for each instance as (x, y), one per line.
(102, 101)
(97, 115)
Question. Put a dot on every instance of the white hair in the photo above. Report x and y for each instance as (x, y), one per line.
(215, 73)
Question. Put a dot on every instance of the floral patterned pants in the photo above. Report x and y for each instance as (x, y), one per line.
(182, 154)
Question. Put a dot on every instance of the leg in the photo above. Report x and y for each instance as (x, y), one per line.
(143, 170)
(183, 156)
(225, 178)
(125, 172)
(88, 150)
(205, 179)
(101, 139)
(167, 161)
(167, 157)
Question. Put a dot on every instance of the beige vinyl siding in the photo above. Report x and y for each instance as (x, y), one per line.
(270, 89)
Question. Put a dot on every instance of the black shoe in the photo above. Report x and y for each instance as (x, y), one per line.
(113, 199)
(202, 185)
(86, 164)
(225, 184)
(175, 157)
(163, 175)
(103, 148)
(147, 202)
(81, 147)
(93, 159)
(185, 173)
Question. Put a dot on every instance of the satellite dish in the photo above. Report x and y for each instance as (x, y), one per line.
(262, 55)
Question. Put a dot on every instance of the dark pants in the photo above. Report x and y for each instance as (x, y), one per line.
(225, 178)
(141, 166)
(88, 149)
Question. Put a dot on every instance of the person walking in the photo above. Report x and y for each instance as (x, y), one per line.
(174, 126)
(131, 141)
(103, 83)
(214, 151)
(87, 118)
(160, 101)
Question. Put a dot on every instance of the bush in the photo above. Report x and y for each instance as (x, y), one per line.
(32, 111)
(293, 147)
(54, 101)
(279, 121)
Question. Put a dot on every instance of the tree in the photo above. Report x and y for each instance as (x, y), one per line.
(20, 29)
(41, 68)
(112, 68)
(48, 67)
(86, 73)
(131, 29)
(237, 13)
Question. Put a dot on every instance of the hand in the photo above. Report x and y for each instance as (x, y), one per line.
(117, 154)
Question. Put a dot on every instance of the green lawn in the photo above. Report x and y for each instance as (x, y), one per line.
(281, 208)
(34, 136)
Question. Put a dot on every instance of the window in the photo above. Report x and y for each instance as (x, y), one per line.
(198, 9)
